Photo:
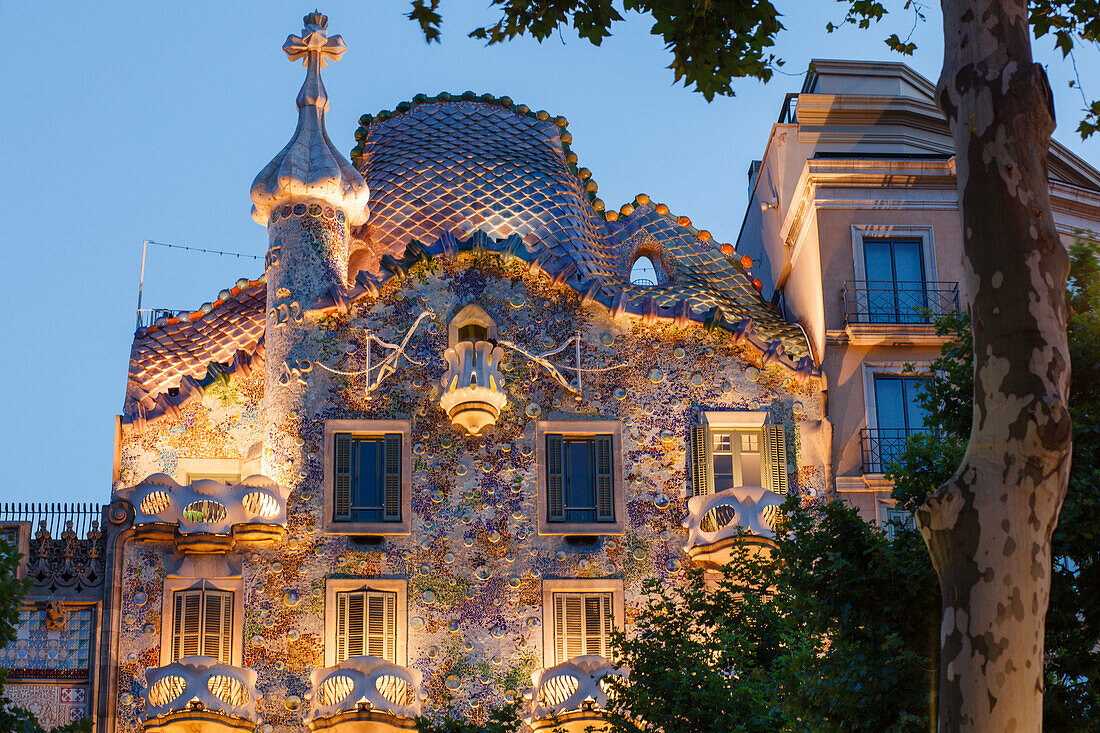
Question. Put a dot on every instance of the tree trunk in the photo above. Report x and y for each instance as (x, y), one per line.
(988, 528)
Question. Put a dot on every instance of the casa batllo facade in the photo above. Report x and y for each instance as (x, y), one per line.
(424, 462)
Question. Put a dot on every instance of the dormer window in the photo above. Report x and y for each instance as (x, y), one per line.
(471, 323)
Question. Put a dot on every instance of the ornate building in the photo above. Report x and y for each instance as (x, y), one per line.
(425, 461)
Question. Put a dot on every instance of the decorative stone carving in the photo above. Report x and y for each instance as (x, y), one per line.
(365, 683)
(310, 167)
(67, 562)
(198, 684)
(576, 684)
(473, 390)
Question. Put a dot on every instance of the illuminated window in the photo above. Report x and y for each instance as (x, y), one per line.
(737, 449)
(202, 624)
(582, 625)
(366, 623)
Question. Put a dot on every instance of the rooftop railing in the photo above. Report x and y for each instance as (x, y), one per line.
(54, 515)
(883, 446)
(898, 303)
(788, 113)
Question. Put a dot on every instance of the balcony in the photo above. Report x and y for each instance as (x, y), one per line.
(570, 695)
(207, 516)
(365, 695)
(716, 523)
(200, 693)
(882, 446)
(887, 312)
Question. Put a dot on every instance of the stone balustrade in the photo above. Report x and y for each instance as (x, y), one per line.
(252, 510)
(579, 684)
(716, 521)
(473, 389)
(215, 695)
(364, 685)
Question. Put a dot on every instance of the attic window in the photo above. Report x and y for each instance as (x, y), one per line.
(471, 323)
(644, 272)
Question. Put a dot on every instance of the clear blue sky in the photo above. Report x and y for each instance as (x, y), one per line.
(127, 121)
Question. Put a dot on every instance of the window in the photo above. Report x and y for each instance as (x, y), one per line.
(738, 449)
(896, 403)
(580, 477)
(643, 273)
(368, 477)
(471, 323)
(582, 624)
(473, 332)
(896, 520)
(367, 484)
(366, 623)
(895, 280)
(202, 624)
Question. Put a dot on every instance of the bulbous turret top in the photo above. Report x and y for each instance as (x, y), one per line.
(310, 166)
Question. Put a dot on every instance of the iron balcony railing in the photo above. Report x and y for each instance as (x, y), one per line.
(56, 516)
(883, 446)
(898, 303)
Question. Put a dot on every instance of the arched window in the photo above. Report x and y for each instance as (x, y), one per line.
(644, 272)
(471, 323)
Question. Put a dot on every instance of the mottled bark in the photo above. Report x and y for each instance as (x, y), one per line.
(989, 527)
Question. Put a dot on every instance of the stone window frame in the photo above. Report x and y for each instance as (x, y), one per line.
(400, 586)
(872, 369)
(187, 467)
(234, 585)
(330, 526)
(923, 232)
(614, 586)
(581, 428)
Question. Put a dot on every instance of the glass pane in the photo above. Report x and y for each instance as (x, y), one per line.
(750, 469)
(890, 403)
(908, 264)
(722, 443)
(368, 474)
(643, 273)
(877, 260)
(723, 472)
(914, 412)
(580, 489)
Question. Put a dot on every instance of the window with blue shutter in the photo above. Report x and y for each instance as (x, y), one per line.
(580, 480)
(367, 480)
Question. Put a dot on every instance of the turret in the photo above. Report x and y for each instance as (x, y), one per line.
(308, 196)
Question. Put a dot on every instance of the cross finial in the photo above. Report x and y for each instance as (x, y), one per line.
(317, 50)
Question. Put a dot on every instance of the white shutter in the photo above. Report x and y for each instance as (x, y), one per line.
(774, 469)
(218, 625)
(366, 623)
(582, 624)
(187, 624)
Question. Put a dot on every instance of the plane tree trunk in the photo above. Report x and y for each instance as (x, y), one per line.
(989, 527)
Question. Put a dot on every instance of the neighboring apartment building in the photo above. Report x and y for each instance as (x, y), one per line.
(854, 227)
(426, 460)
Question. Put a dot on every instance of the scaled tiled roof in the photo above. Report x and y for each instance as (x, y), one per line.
(186, 345)
(461, 164)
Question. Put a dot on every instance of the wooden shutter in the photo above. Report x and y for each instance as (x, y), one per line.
(187, 624)
(775, 459)
(582, 624)
(701, 475)
(555, 496)
(217, 621)
(366, 623)
(392, 486)
(341, 490)
(605, 481)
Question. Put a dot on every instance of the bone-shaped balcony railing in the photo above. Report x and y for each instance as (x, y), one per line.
(749, 509)
(572, 685)
(201, 683)
(206, 505)
(473, 389)
(366, 682)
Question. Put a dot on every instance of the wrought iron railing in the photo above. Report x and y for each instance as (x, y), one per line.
(54, 515)
(883, 446)
(148, 316)
(788, 113)
(898, 303)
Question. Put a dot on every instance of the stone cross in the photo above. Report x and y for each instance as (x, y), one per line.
(315, 46)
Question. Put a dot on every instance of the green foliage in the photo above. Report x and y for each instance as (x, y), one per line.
(12, 591)
(717, 41)
(836, 631)
(502, 720)
(1071, 700)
